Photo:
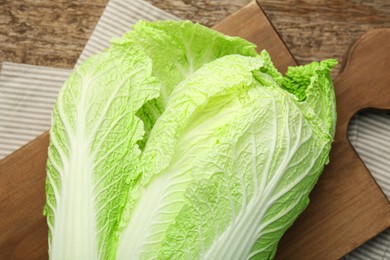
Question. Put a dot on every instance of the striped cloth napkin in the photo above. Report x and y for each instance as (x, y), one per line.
(28, 93)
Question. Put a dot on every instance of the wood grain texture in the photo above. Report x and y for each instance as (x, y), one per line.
(53, 33)
(23, 229)
(48, 33)
(206, 12)
(320, 29)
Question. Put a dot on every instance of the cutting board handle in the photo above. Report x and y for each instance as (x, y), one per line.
(368, 63)
(346, 185)
(363, 84)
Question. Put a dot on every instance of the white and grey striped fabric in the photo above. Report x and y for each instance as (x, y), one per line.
(27, 95)
(369, 134)
(372, 142)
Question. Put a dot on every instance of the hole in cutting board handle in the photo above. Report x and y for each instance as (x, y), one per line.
(369, 135)
(363, 103)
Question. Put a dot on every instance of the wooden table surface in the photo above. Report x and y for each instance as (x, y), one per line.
(53, 33)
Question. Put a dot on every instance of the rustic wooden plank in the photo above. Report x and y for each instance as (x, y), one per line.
(321, 29)
(206, 12)
(53, 33)
(48, 33)
(339, 209)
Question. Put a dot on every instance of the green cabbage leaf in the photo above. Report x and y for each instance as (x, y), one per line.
(178, 142)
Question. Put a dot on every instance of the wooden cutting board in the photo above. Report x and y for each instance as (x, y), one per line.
(347, 207)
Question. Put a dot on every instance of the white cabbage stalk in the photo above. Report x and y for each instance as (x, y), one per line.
(181, 143)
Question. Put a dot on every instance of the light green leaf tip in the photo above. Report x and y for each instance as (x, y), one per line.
(93, 153)
(178, 142)
(177, 50)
